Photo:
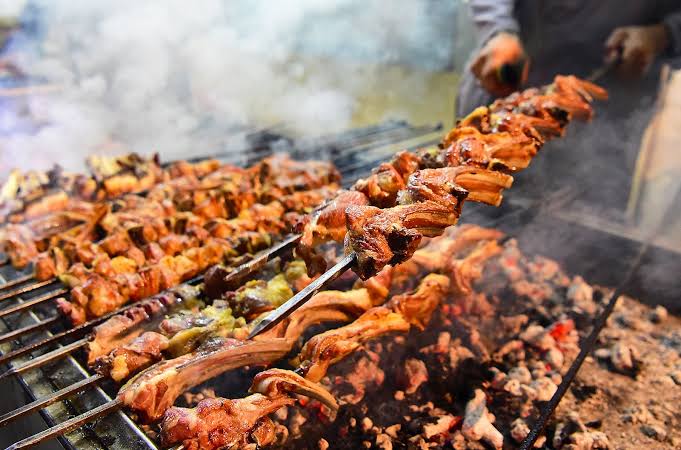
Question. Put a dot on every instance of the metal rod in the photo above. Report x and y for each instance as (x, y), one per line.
(46, 358)
(238, 276)
(68, 426)
(32, 302)
(25, 289)
(82, 328)
(14, 282)
(15, 334)
(50, 399)
(303, 296)
(589, 344)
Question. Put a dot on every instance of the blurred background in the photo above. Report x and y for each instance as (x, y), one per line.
(162, 76)
(111, 76)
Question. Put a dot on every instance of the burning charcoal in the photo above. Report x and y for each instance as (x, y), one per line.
(367, 424)
(384, 442)
(514, 350)
(537, 336)
(513, 324)
(519, 430)
(392, 430)
(591, 440)
(545, 388)
(655, 432)
(366, 372)
(554, 358)
(323, 444)
(440, 428)
(477, 424)
(415, 374)
(623, 358)
(521, 374)
(659, 314)
(399, 395)
(581, 295)
(513, 387)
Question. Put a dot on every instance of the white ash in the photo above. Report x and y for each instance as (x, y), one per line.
(538, 337)
(554, 358)
(580, 294)
(477, 423)
(519, 430)
(545, 388)
(520, 373)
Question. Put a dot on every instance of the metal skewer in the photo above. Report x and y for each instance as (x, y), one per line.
(32, 302)
(14, 282)
(50, 399)
(46, 358)
(15, 334)
(239, 275)
(69, 425)
(25, 289)
(303, 296)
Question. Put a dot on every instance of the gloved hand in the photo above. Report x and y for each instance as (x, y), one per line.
(504, 48)
(637, 47)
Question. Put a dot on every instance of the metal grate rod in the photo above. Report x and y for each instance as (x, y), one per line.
(50, 399)
(32, 302)
(46, 358)
(25, 289)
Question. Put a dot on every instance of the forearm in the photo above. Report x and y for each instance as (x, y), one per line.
(493, 16)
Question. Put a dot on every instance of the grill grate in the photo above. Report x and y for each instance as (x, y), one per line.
(355, 153)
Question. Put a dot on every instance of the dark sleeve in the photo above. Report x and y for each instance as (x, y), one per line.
(673, 23)
(493, 16)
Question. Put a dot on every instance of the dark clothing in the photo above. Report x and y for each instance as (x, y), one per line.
(568, 37)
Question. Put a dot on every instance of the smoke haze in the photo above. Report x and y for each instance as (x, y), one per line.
(175, 77)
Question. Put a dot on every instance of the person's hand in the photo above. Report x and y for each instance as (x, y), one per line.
(502, 49)
(636, 48)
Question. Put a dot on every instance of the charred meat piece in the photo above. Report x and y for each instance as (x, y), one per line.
(465, 271)
(153, 391)
(331, 346)
(275, 383)
(132, 322)
(449, 186)
(326, 224)
(390, 236)
(142, 352)
(382, 186)
(224, 423)
(218, 423)
(509, 151)
(418, 306)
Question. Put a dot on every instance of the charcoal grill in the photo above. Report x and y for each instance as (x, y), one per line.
(354, 152)
(610, 247)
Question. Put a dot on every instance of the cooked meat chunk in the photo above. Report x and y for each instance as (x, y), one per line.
(390, 236)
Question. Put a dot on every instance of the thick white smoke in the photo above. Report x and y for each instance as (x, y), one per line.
(175, 76)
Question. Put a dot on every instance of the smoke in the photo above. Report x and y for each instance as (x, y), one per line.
(176, 77)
